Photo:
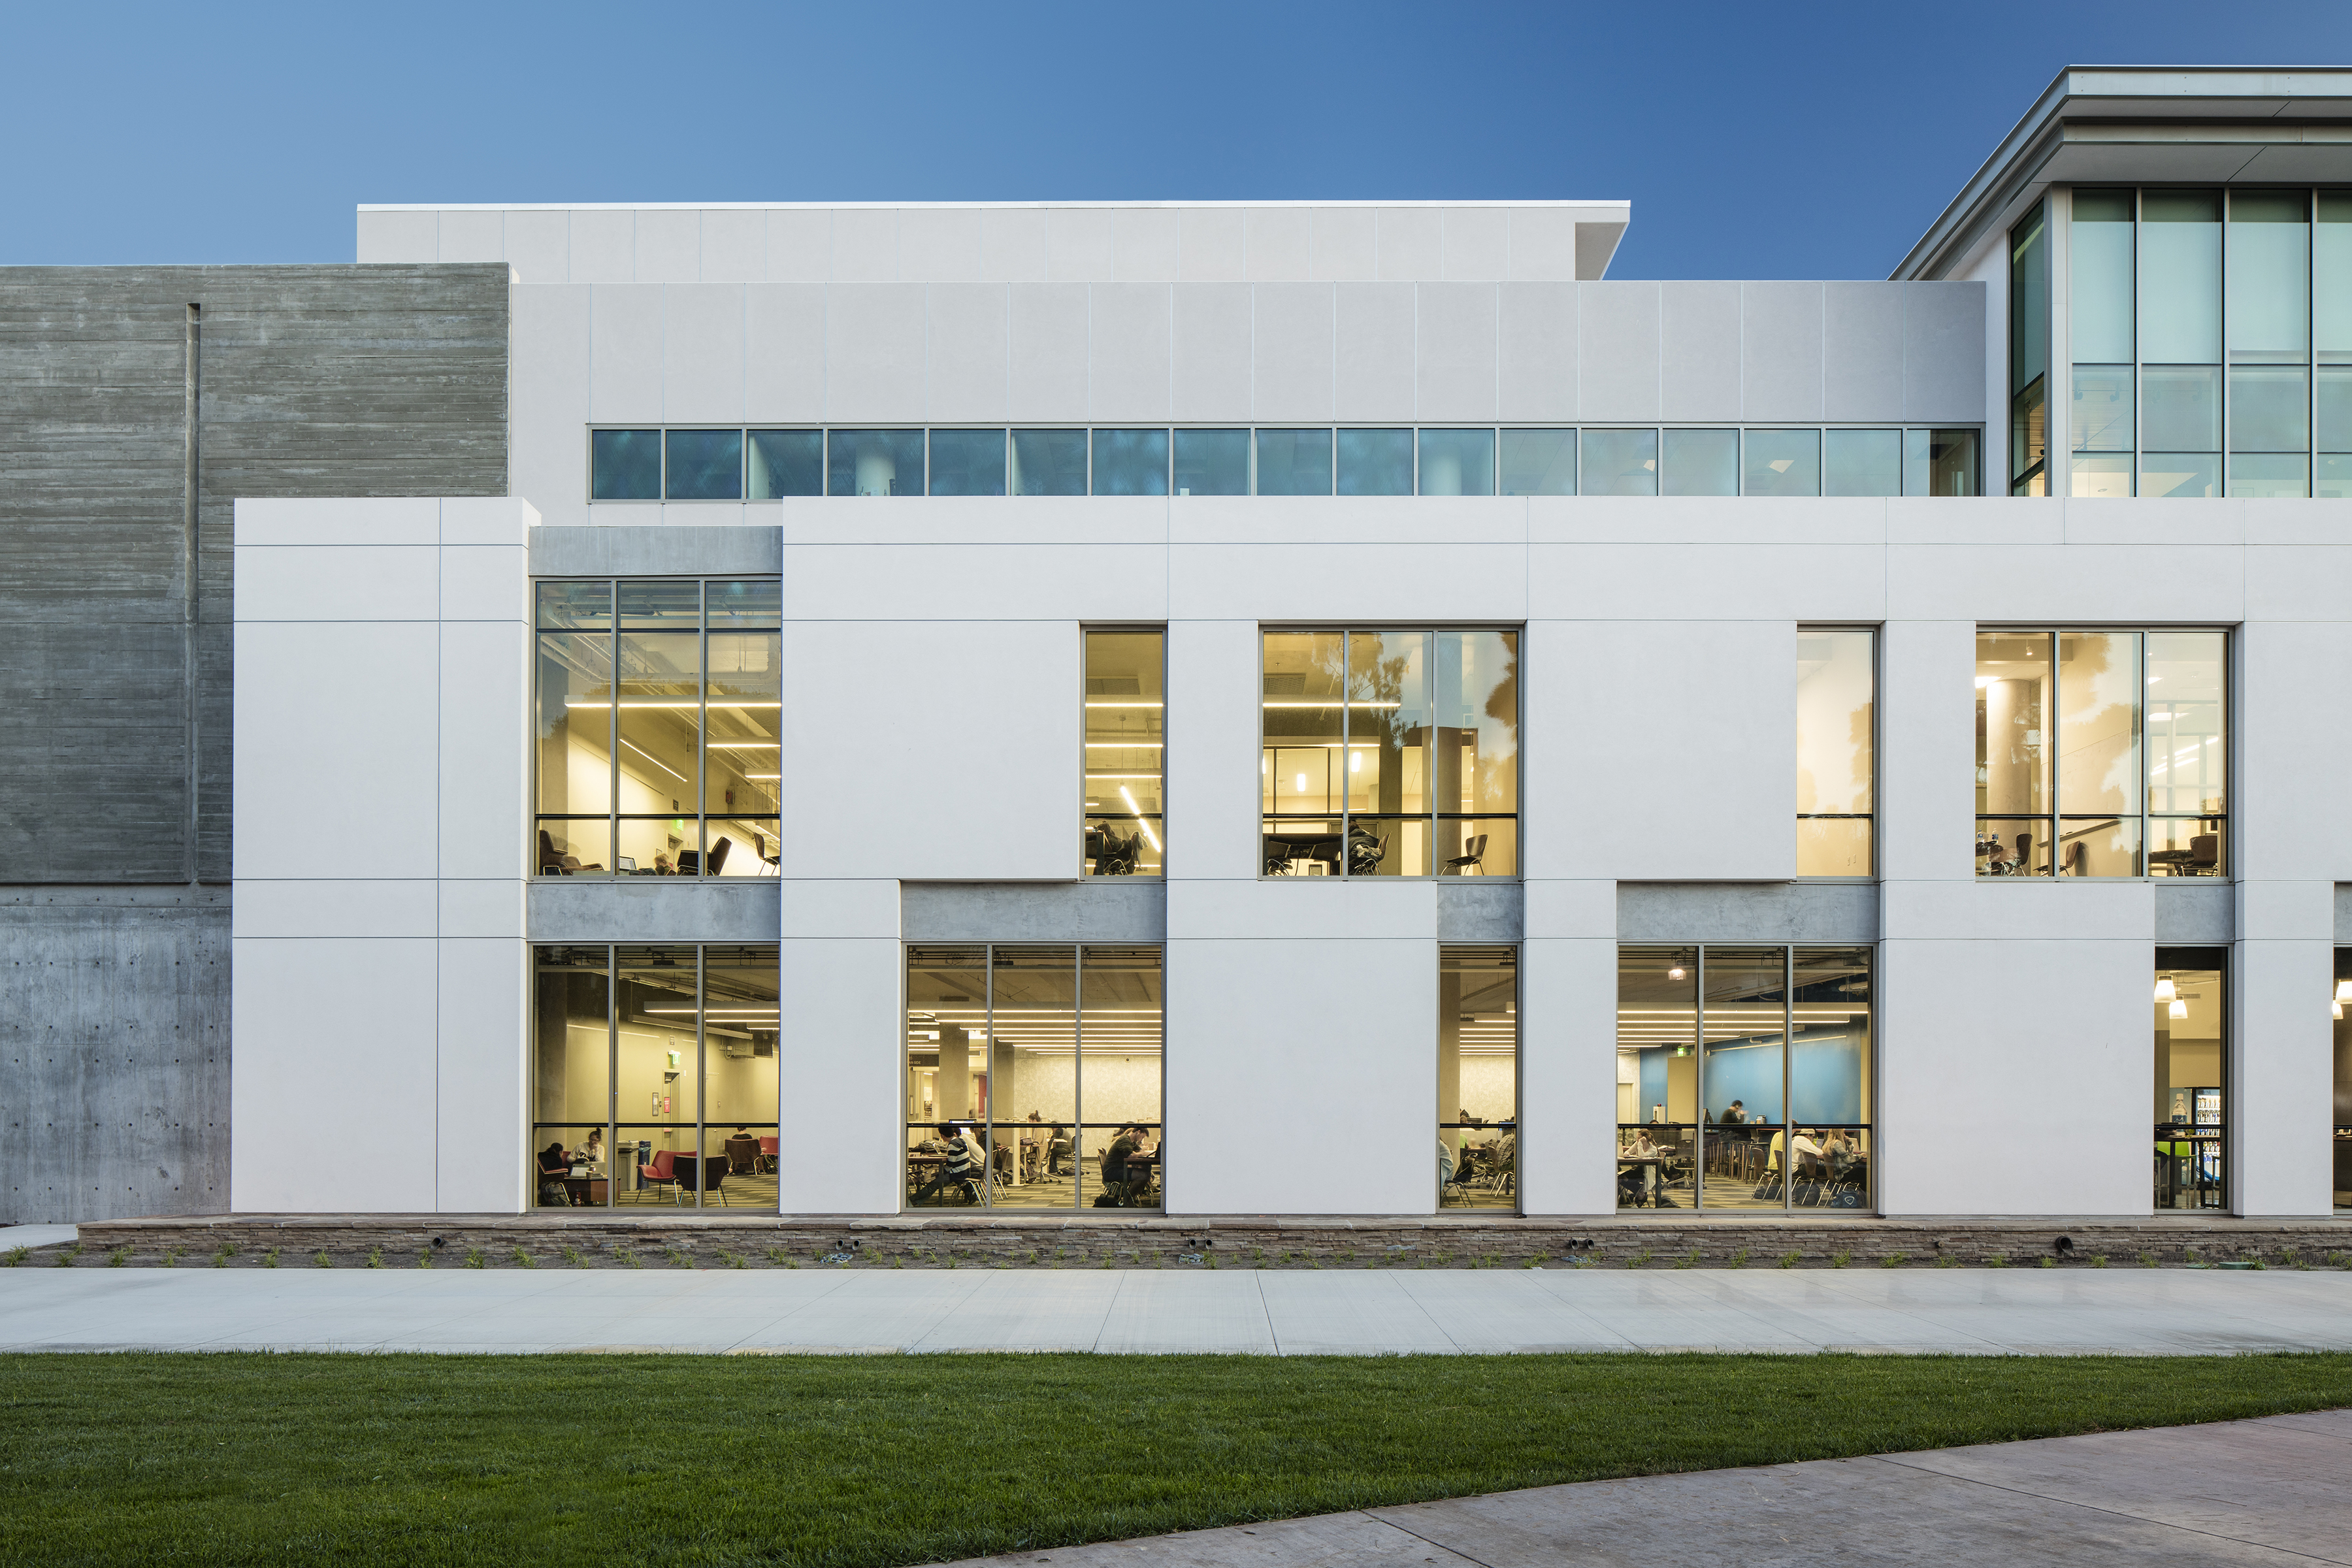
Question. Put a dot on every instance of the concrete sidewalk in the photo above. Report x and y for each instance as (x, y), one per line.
(1290, 1313)
(2253, 1492)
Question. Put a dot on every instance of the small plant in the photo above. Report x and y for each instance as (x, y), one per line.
(1638, 1258)
(2098, 1260)
(1840, 1259)
(2258, 1263)
(896, 1262)
(118, 1259)
(1946, 1261)
(375, 1258)
(631, 1258)
(476, 1258)
(1740, 1259)
(524, 1259)
(320, 1259)
(1106, 1262)
(1347, 1258)
(270, 1258)
(1210, 1259)
(425, 1258)
(2188, 1254)
(17, 1256)
(1894, 1261)
(776, 1254)
(571, 1256)
(2148, 1260)
(1789, 1259)
(679, 1257)
(1996, 1260)
(227, 1250)
(172, 1257)
(1689, 1261)
(1536, 1261)
(2291, 1259)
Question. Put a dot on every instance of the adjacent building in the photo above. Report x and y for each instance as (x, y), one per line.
(1298, 707)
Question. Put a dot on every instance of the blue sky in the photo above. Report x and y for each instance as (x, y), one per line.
(1754, 141)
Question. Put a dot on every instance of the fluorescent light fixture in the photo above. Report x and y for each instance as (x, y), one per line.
(666, 702)
(1147, 834)
(763, 777)
(1298, 784)
(1983, 681)
(1122, 745)
(1125, 705)
(745, 746)
(657, 762)
(2343, 991)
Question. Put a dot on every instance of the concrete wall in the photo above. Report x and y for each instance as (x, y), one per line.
(115, 755)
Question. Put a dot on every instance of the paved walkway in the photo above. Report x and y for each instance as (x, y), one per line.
(2238, 1493)
(1443, 1311)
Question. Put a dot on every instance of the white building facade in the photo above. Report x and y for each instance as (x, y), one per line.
(1339, 710)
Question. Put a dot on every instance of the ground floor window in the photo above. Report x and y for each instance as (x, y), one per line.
(1478, 1078)
(1744, 1077)
(1033, 1077)
(654, 1075)
(2191, 1075)
(2342, 1054)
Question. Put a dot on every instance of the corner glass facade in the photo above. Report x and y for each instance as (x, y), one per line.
(654, 1075)
(2029, 357)
(2211, 338)
(1745, 1078)
(657, 745)
(1388, 754)
(1033, 1077)
(1478, 1078)
(2102, 753)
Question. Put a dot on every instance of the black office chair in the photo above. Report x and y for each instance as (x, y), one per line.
(689, 864)
(1277, 857)
(1365, 851)
(1474, 855)
(2204, 855)
(1115, 856)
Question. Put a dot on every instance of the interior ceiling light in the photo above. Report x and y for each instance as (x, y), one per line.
(2178, 1009)
(1675, 973)
(2166, 993)
(2343, 991)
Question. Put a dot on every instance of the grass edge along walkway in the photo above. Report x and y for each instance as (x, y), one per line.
(866, 1462)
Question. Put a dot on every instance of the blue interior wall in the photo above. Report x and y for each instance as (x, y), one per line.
(1653, 1080)
(1825, 1078)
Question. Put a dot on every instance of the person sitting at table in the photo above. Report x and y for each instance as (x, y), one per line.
(1115, 1178)
(591, 1153)
(553, 1168)
(964, 1164)
(1733, 1114)
(1057, 1148)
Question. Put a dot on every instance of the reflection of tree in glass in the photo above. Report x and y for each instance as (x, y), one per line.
(1498, 743)
(2098, 727)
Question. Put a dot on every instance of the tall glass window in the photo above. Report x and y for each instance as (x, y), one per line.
(1836, 750)
(2331, 302)
(2181, 342)
(1126, 752)
(2029, 357)
(1033, 1077)
(1862, 463)
(1477, 1077)
(2192, 1079)
(2268, 319)
(657, 745)
(2099, 332)
(1939, 462)
(654, 1076)
(2101, 753)
(1744, 1077)
(1390, 754)
(2341, 1036)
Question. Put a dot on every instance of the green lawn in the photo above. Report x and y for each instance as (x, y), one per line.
(632, 1460)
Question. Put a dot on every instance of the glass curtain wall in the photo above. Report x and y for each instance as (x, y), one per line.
(654, 1075)
(1477, 1077)
(2341, 1036)
(1744, 1077)
(2203, 324)
(2108, 760)
(1836, 750)
(2029, 357)
(2192, 1079)
(1033, 1077)
(1390, 754)
(657, 745)
(1126, 752)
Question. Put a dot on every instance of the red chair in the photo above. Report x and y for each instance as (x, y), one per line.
(662, 1173)
(768, 1156)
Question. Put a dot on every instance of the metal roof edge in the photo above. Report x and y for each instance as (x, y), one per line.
(1609, 205)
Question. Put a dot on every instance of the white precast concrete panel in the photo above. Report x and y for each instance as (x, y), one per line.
(2038, 1040)
(783, 352)
(335, 732)
(1212, 760)
(1102, 581)
(483, 759)
(841, 1066)
(1302, 1076)
(1535, 353)
(1660, 750)
(702, 354)
(970, 327)
(1129, 375)
(554, 334)
(1332, 583)
(1373, 377)
(1049, 353)
(480, 1075)
(625, 371)
(1291, 358)
(334, 1054)
(2281, 1077)
(1568, 1076)
(876, 345)
(1456, 351)
(938, 749)
(1927, 750)
(2293, 734)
